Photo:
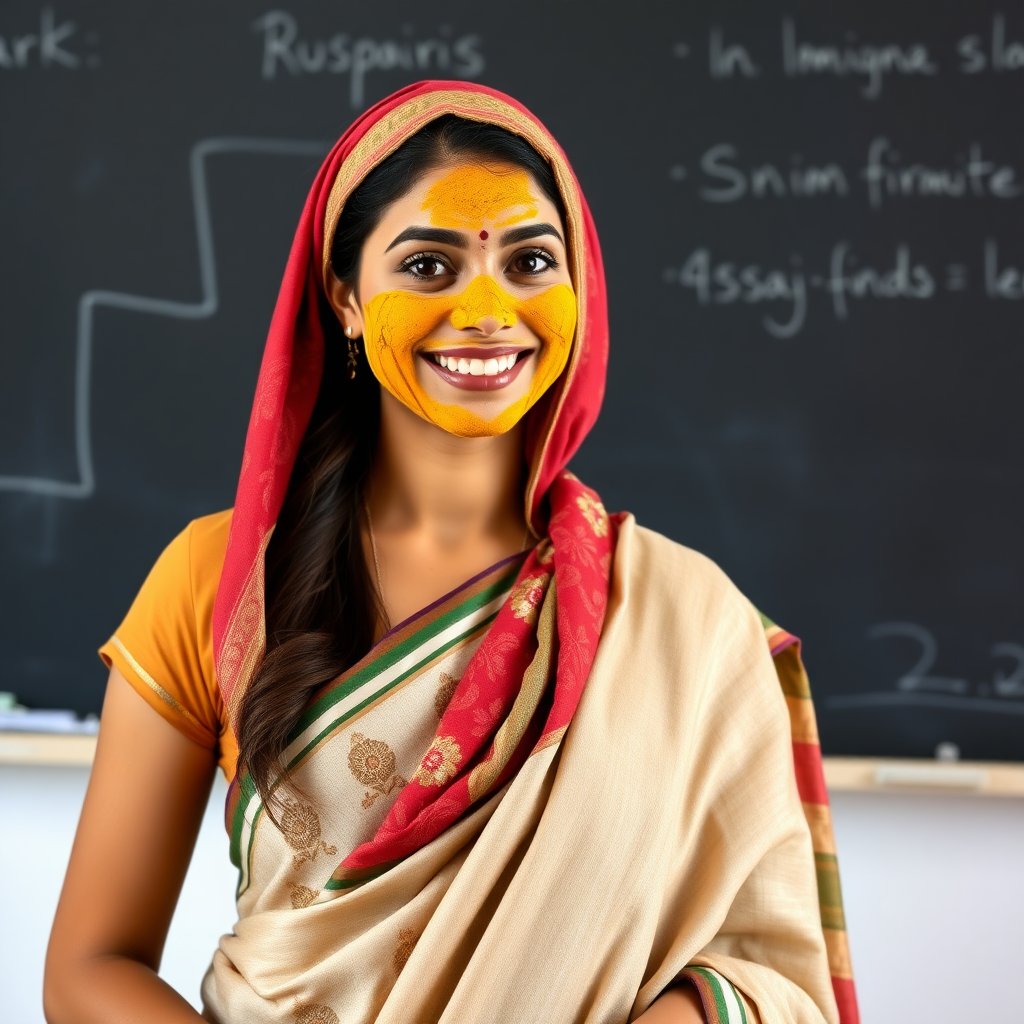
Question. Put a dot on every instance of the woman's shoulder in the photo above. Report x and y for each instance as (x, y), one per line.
(187, 573)
(665, 581)
(658, 563)
(164, 645)
(207, 546)
(208, 542)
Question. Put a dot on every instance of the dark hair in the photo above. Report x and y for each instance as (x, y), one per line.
(321, 604)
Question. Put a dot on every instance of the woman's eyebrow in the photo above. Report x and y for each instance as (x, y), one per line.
(442, 236)
(514, 235)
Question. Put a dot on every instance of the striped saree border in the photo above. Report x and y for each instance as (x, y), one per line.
(402, 654)
(721, 1001)
(810, 782)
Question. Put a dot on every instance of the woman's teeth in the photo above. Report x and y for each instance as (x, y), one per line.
(477, 367)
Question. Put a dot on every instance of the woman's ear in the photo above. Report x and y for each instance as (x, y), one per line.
(343, 300)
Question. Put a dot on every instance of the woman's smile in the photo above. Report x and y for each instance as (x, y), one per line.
(478, 368)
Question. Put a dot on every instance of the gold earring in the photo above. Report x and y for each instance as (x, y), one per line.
(353, 356)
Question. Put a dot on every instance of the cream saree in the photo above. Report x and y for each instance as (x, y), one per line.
(661, 835)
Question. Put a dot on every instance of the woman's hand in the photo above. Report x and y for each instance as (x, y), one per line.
(677, 1005)
(146, 798)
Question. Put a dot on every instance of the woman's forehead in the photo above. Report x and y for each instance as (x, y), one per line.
(467, 194)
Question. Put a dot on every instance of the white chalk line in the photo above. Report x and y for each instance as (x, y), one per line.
(85, 485)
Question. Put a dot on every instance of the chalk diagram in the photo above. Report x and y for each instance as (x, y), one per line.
(85, 485)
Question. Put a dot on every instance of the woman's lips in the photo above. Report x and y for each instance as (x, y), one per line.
(468, 358)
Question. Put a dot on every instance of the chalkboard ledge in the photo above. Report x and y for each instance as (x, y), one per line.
(841, 773)
(35, 748)
(985, 778)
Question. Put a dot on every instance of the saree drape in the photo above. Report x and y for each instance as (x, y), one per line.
(546, 798)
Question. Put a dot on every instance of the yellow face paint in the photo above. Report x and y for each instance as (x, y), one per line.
(473, 194)
(398, 325)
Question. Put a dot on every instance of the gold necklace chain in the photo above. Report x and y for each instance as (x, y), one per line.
(373, 545)
(376, 559)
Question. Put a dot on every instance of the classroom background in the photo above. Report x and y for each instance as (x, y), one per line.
(811, 219)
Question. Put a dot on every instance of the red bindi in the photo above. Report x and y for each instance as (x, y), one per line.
(483, 235)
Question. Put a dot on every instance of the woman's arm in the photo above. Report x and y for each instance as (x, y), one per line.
(147, 794)
(677, 1005)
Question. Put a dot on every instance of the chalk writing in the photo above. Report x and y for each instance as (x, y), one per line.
(886, 176)
(340, 54)
(1001, 282)
(870, 61)
(730, 182)
(51, 47)
(903, 280)
(724, 282)
(920, 685)
(1000, 55)
(724, 60)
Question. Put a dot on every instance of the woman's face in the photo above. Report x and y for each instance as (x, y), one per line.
(464, 298)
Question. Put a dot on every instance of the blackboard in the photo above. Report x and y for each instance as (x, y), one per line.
(811, 217)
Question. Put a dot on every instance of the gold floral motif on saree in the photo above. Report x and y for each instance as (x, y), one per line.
(440, 762)
(527, 596)
(594, 513)
(315, 1013)
(300, 825)
(443, 697)
(302, 896)
(407, 939)
(372, 762)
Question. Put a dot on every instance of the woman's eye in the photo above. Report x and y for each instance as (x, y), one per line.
(426, 267)
(532, 263)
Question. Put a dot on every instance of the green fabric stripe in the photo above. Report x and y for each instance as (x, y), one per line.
(246, 789)
(333, 725)
(399, 651)
(830, 896)
(248, 851)
(348, 883)
(765, 621)
(716, 991)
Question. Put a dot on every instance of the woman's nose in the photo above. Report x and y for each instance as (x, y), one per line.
(483, 307)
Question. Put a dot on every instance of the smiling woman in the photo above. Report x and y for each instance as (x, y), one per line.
(567, 786)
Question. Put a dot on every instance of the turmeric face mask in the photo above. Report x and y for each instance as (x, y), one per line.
(400, 332)
(474, 361)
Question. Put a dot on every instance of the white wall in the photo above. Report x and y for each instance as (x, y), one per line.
(39, 810)
(934, 894)
(934, 889)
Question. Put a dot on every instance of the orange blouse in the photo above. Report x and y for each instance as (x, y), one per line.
(164, 647)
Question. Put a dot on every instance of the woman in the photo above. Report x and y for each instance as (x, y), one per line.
(560, 791)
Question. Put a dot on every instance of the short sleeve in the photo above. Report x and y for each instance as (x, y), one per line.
(164, 646)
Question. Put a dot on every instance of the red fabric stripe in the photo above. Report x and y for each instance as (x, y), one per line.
(846, 999)
(810, 776)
